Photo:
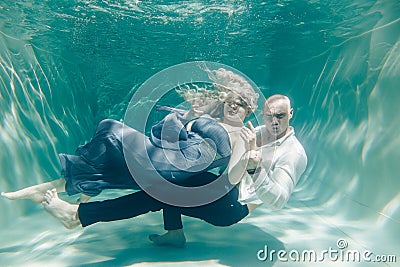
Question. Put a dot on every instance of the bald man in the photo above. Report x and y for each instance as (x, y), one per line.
(274, 163)
(276, 160)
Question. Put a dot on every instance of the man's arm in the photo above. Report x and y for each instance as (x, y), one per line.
(274, 187)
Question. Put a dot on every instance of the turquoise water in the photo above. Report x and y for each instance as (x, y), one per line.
(65, 65)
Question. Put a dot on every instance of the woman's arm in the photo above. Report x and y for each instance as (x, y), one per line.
(238, 162)
(244, 154)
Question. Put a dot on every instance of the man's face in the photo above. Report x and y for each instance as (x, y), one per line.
(277, 115)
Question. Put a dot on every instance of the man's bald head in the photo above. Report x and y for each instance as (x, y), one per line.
(277, 98)
(277, 114)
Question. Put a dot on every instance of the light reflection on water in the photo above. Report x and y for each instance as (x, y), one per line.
(346, 95)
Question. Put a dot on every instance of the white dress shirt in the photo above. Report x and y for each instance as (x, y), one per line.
(283, 162)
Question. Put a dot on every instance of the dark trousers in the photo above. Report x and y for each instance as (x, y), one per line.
(222, 212)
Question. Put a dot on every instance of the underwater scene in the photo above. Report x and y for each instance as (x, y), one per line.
(67, 65)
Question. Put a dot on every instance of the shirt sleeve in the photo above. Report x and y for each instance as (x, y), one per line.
(274, 187)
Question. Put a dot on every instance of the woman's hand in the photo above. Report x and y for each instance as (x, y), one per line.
(249, 134)
(253, 156)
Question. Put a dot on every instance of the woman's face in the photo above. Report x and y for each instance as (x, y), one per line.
(235, 109)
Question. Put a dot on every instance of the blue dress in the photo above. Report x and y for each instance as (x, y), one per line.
(174, 154)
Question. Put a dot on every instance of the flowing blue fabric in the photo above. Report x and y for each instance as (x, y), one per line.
(175, 154)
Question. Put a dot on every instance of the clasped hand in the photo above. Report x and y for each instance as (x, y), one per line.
(253, 156)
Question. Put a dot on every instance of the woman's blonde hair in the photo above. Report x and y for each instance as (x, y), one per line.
(228, 82)
(225, 82)
(209, 96)
(191, 92)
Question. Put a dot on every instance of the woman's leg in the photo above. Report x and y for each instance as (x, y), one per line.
(36, 192)
(89, 160)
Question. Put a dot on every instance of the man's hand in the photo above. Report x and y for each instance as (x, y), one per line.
(254, 158)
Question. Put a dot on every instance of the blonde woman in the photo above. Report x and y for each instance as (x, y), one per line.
(204, 143)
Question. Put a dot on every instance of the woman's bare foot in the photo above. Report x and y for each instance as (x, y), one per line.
(173, 238)
(35, 192)
(63, 211)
